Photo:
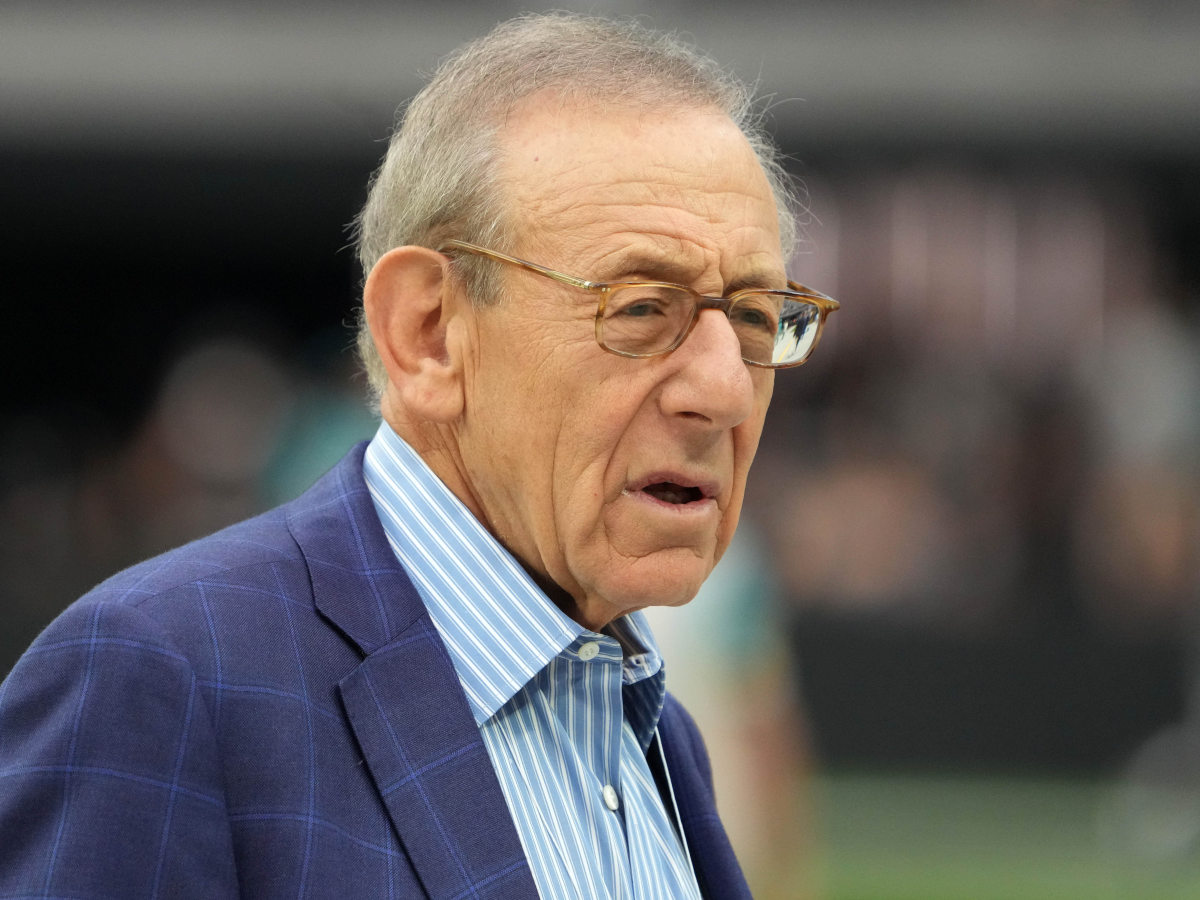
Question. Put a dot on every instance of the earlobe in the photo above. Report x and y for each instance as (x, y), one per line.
(409, 302)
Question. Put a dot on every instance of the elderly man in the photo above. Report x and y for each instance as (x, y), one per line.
(428, 676)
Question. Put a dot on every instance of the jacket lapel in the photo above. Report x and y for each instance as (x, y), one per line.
(404, 702)
(430, 766)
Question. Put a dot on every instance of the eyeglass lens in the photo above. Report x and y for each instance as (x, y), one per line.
(647, 319)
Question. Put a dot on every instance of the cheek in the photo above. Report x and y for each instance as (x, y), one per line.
(747, 435)
(593, 450)
(585, 466)
(745, 446)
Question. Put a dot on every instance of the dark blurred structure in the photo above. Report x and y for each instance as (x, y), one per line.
(982, 496)
(987, 502)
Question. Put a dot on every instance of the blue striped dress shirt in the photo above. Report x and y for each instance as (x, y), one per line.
(567, 715)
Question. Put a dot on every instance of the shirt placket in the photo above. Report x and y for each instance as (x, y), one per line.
(597, 737)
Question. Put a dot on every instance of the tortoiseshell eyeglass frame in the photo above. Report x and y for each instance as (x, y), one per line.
(797, 293)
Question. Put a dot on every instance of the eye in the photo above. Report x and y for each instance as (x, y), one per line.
(642, 308)
(646, 302)
(755, 318)
(756, 313)
(645, 318)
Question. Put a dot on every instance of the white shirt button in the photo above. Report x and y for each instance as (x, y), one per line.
(611, 800)
(589, 651)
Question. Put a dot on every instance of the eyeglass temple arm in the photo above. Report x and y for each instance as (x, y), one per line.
(827, 303)
(560, 277)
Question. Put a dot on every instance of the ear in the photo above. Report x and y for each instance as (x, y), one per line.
(408, 300)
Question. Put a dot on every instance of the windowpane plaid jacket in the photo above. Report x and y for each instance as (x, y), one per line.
(269, 712)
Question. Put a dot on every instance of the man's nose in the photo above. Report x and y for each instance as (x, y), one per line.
(713, 382)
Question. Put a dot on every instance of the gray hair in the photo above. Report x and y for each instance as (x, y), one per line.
(437, 178)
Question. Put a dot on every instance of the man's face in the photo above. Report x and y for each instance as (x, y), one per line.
(618, 481)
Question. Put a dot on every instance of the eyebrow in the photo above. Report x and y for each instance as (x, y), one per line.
(634, 265)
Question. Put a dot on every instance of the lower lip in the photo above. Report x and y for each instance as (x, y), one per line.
(695, 508)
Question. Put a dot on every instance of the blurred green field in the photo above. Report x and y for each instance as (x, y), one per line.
(922, 837)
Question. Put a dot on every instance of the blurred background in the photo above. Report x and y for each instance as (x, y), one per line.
(953, 652)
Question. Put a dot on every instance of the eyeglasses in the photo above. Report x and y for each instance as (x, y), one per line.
(776, 329)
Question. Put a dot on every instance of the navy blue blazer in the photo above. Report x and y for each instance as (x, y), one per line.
(269, 712)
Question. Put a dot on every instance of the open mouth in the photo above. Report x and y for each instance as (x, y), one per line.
(670, 492)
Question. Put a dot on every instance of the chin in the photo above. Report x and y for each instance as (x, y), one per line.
(651, 582)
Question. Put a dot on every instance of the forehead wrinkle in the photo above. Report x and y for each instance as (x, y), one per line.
(652, 184)
(589, 218)
(639, 259)
(757, 267)
(635, 263)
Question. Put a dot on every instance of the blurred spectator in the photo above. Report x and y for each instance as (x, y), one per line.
(235, 428)
(195, 463)
(728, 660)
(1137, 529)
(1005, 433)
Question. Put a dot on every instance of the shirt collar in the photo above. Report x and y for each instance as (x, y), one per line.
(499, 627)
